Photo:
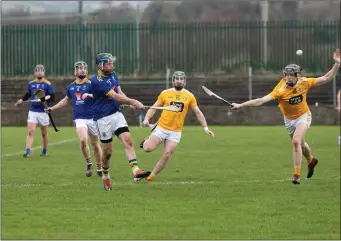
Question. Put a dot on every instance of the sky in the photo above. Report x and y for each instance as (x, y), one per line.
(62, 6)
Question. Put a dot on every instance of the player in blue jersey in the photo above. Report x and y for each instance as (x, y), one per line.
(79, 93)
(36, 114)
(110, 121)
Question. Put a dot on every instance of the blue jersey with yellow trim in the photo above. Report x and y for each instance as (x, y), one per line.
(39, 84)
(82, 109)
(101, 86)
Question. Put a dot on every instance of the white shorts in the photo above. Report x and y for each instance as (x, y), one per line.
(291, 124)
(88, 123)
(108, 125)
(167, 135)
(40, 118)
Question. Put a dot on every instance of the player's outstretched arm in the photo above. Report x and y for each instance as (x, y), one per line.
(150, 113)
(125, 99)
(60, 104)
(119, 90)
(201, 118)
(330, 75)
(254, 102)
(24, 98)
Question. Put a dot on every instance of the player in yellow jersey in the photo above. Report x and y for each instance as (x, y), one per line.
(291, 93)
(169, 127)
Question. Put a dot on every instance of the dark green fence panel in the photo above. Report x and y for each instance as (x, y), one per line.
(151, 48)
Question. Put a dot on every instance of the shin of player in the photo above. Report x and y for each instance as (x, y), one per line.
(170, 124)
(110, 121)
(79, 93)
(36, 114)
(291, 93)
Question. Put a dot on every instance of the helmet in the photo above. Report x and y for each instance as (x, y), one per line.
(39, 66)
(39, 71)
(292, 69)
(179, 74)
(104, 57)
(79, 64)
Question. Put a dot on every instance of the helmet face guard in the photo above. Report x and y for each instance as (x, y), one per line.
(39, 71)
(81, 69)
(291, 73)
(292, 69)
(106, 58)
(179, 80)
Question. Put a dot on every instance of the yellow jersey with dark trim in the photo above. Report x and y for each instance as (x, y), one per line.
(174, 121)
(293, 100)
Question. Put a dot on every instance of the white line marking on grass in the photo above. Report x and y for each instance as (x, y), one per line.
(39, 147)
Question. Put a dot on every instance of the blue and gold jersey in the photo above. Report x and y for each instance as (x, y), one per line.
(101, 86)
(39, 84)
(82, 109)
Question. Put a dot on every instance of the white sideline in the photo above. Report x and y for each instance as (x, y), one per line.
(39, 147)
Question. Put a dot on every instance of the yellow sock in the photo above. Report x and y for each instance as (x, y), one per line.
(133, 165)
(151, 177)
(297, 171)
(310, 159)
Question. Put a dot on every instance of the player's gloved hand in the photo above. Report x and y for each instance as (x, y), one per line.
(235, 106)
(139, 105)
(19, 102)
(208, 132)
(145, 123)
(48, 110)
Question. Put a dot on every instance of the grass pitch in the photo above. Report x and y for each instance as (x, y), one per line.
(235, 186)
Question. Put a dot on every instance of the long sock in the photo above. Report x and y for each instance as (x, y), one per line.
(310, 159)
(88, 163)
(133, 165)
(105, 172)
(28, 151)
(297, 171)
(151, 176)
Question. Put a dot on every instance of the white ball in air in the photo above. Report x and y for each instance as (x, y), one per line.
(299, 52)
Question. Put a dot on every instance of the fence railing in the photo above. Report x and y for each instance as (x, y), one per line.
(151, 48)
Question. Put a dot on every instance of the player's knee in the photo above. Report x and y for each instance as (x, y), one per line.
(107, 152)
(128, 142)
(97, 147)
(44, 134)
(296, 142)
(30, 133)
(148, 148)
(83, 142)
(167, 154)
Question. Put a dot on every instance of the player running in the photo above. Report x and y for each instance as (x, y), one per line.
(79, 92)
(169, 127)
(107, 96)
(291, 93)
(36, 114)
